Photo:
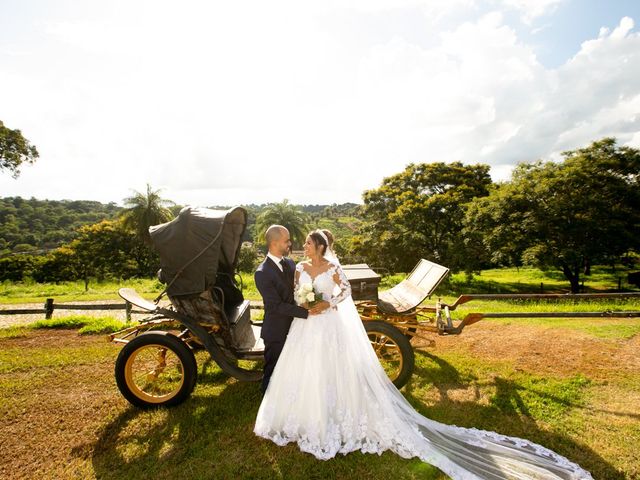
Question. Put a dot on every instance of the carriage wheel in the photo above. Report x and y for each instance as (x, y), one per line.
(393, 350)
(156, 369)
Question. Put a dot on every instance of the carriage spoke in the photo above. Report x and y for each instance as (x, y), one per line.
(154, 373)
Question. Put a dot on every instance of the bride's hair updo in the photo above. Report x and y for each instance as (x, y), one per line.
(319, 240)
(329, 236)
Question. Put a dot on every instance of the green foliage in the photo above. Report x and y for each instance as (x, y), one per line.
(19, 267)
(102, 250)
(418, 213)
(285, 214)
(567, 215)
(15, 150)
(249, 258)
(46, 224)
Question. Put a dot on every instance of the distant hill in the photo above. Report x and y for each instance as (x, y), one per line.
(31, 225)
(36, 226)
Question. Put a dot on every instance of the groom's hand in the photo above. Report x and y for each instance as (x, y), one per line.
(319, 307)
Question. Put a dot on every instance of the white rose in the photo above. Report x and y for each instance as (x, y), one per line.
(306, 288)
(311, 297)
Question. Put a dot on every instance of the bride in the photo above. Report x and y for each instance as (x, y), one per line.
(329, 393)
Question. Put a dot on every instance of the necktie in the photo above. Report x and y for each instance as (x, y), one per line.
(283, 264)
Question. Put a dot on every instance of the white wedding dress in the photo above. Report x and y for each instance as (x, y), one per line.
(329, 393)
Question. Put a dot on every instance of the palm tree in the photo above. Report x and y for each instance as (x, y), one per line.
(143, 210)
(286, 215)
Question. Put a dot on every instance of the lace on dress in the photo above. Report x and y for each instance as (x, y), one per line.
(342, 282)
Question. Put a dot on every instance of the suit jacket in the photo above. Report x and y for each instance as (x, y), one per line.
(276, 289)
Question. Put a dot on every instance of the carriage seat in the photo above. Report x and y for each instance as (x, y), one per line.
(411, 292)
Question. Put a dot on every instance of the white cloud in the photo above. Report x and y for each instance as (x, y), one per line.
(532, 9)
(253, 102)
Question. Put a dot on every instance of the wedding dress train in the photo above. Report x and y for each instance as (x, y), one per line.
(330, 394)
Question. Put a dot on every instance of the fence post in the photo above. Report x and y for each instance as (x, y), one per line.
(127, 308)
(541, 287)
(48, 308)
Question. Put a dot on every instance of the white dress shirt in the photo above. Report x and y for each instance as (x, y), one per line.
(276, 260)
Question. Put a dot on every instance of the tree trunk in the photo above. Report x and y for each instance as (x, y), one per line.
(587, 267)
(574, 278)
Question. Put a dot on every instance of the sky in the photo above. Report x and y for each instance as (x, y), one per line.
(240, 102)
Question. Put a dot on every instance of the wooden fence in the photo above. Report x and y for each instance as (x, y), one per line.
(50, 306)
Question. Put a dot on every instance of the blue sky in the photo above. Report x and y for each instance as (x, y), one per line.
(251, 101)
(572, 23)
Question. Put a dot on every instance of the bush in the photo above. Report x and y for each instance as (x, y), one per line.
(249, 257)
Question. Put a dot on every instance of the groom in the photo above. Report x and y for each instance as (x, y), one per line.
(274, 279)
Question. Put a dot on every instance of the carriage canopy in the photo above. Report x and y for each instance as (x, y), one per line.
(198, 244)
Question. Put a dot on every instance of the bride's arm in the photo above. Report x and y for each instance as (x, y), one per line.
(343, 282)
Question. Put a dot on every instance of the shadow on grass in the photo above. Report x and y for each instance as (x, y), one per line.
(187, 441)
(507, 412)
(211, 434)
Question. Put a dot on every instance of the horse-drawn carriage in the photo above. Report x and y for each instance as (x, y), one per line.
(199, 252)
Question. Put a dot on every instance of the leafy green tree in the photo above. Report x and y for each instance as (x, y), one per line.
(418, 213)
(567, 215)
(58, 265)
(143, 210)
(100, 251)
(17, 267)
(15, 150)
(285, 214)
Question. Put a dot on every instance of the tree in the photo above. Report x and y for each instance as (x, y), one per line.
(144, 210)
(565, 215)
(15, 150)
(418, 213)
(101, 250)
(284, 214)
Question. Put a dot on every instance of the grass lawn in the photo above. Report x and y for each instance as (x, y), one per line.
(573, 386)
(503, 280)
(20, 292)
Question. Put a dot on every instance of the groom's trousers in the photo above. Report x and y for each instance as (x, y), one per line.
(272, 352)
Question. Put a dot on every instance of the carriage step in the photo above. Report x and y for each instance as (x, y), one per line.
(133, 297)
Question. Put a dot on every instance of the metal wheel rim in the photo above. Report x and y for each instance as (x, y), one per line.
(131, 377)
(385, 347)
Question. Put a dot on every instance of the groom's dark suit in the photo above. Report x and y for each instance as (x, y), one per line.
(276, 288)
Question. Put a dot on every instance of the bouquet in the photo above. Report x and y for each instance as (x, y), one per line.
(307, 294)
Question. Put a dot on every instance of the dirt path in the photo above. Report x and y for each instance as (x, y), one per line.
(546, 350)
